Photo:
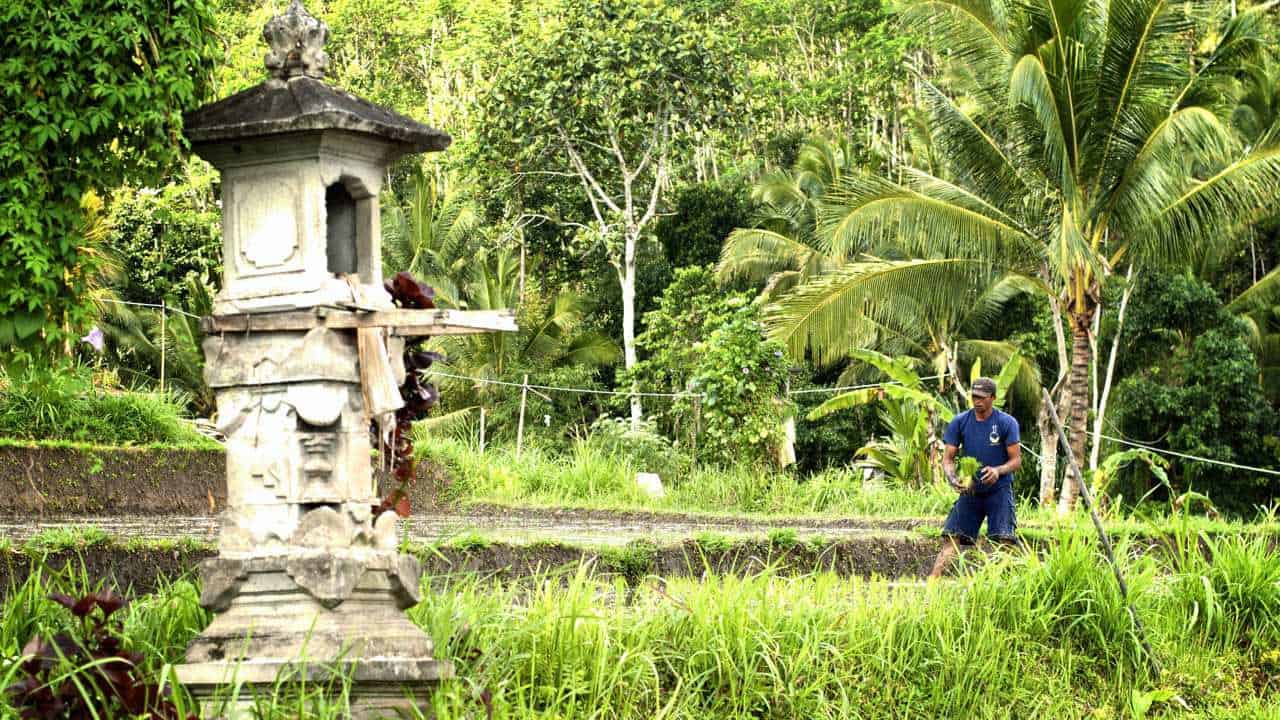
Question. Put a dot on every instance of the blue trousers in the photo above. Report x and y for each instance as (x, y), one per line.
(996, 506)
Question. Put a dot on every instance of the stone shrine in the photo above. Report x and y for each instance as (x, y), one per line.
(304, 351)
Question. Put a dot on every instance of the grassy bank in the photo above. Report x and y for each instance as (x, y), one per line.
(591, 478)
(1021, 636)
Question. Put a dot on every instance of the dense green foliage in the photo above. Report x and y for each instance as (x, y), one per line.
(1194, 387)
(166, 239)
(702, 216)
(710, 347)
(92, 96)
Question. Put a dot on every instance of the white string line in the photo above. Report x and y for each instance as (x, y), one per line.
(166, 308)
(623, 393)
(856, 387)
(589, 391)
(1197, 458)
(1162, 451)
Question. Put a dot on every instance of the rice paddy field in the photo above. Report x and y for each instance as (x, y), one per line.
(1012, 635)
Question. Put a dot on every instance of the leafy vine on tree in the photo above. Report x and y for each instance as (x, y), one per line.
(91, 94)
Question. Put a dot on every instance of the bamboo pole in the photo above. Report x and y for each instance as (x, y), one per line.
(1074, 469)
(524, 399)
(164, 314)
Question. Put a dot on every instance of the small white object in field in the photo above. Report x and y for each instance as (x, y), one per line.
(650, 484)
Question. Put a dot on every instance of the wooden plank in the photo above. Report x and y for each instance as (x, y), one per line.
(402, 322)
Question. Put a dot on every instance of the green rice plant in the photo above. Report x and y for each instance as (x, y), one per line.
(27, 609)
(161, 624)
(710, 542)
(1068, 595)
(56, 539)
(783, 538)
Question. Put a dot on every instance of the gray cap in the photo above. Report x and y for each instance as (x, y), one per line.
(984, 386)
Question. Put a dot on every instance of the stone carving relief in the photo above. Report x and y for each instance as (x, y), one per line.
(266, 225)
(297, 43)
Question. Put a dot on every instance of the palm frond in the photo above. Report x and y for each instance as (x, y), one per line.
(867, 214)
(972, 154)
(1243, 191)
(1264, 293)
(1143, 64)
(975, 31)
(590, 348)
(755, 254)
(1032, 93)
(820, 316)
(990, 303)
(1161, 168)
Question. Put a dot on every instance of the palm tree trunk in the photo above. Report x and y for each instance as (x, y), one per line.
(1078, 384)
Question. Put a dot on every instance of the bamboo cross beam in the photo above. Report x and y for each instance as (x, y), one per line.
(1087, 497)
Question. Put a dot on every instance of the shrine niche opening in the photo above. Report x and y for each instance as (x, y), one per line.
(349, 216)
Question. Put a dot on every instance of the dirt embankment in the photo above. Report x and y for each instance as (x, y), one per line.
(140, 568)
(43, 480)
(38, 480)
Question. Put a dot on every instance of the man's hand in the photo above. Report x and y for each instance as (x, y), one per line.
(990, 475)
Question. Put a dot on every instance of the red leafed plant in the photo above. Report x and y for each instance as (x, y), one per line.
(418, 395)
(90, 676)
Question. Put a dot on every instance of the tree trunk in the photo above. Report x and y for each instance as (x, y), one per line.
(1048, 457)
(1095, 449)
(1078, 384)
(628, 280)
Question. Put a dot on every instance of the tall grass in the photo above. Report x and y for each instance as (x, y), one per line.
(1021, 636)
(1015, 636)
(62, 403)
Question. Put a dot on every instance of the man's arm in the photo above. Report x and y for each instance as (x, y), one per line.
(949, 463)
(991, 474)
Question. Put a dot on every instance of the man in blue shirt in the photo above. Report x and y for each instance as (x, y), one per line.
(991, 437)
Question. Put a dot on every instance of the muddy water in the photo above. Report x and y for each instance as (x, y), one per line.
(516, 526)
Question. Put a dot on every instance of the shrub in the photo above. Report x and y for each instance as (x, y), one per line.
(167, 238)
(700, 341)
(647, 450)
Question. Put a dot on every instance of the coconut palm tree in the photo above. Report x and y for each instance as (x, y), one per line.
(434, 234)
(1089, 142)
(782, 249)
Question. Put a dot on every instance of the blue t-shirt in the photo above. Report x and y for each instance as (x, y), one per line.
(987, 441)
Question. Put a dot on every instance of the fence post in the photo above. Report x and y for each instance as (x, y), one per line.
(697, 422)
(524, 398)
(164, 314)
(481, 429)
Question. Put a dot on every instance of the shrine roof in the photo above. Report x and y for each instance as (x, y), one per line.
(301, 104)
